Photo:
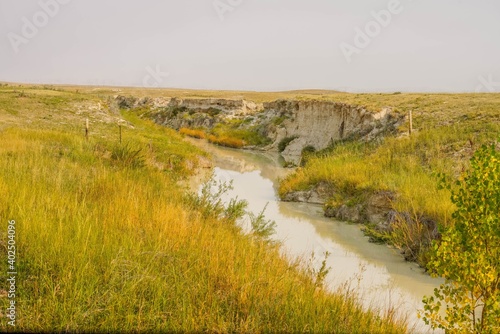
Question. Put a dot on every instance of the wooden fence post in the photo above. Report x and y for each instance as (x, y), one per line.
(410, 127)
(87, 129)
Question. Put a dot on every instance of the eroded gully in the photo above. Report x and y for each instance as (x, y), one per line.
(377, 273)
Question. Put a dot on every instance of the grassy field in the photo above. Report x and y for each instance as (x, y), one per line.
(107, 239)
(449, 128)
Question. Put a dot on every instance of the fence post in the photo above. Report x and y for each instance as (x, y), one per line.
(410, 127)
(87, 129)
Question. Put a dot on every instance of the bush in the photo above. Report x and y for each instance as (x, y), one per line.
(284, 143)
(467, 256)
(278, 120)
(213, 111)
(174, 111)
(210, 203)
(307, 153)
(261, 227)
(127, 156)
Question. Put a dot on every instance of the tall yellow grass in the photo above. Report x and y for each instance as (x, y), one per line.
(222, 140)
(109, 244)
(200, 134)
(226, 141)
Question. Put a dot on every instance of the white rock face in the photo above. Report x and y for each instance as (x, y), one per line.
(319, 123)
(293, 151)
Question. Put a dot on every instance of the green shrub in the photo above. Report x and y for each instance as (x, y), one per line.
(307, 152)
(468, 254)
(213, 111)
(127, 156)
(284, 143)
(278, 120)
(262, 228)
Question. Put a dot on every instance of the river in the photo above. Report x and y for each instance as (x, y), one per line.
(377, 273)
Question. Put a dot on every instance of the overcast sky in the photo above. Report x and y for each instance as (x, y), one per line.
(353, 45)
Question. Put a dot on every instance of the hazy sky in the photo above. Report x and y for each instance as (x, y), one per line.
(354, 45)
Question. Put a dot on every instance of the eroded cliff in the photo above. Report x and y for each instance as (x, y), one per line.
(288, 125)
(318, 124)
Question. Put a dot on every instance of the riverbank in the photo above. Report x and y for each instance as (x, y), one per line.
(109, 241)
(354, 151)
(377, 274)
(391, 186)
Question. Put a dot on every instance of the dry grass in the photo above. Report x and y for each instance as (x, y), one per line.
(108, 241)
(200, 134)
(222, 141)
(226, 141)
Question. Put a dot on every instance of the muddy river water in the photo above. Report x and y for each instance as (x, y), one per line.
(378, 273)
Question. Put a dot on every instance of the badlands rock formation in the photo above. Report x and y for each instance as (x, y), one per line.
(320, 123)
(299, 124)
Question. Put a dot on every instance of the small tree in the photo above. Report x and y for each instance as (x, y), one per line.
(468, 255)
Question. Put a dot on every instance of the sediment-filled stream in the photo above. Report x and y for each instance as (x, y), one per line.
(378, 274)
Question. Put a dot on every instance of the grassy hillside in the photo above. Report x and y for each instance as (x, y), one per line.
(449, 127)
(107, 240)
